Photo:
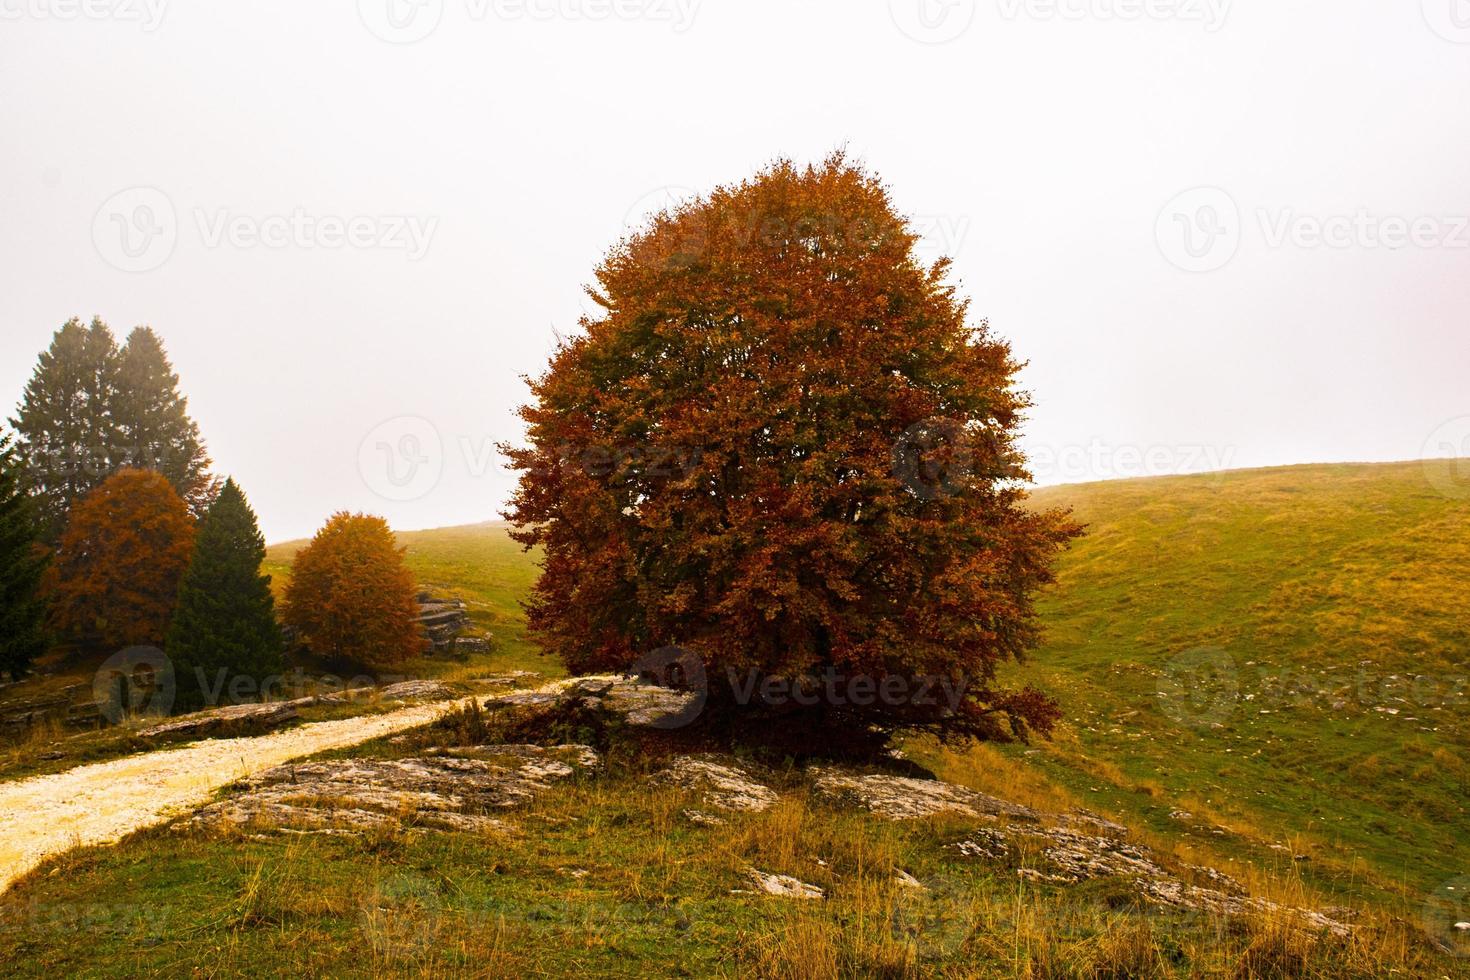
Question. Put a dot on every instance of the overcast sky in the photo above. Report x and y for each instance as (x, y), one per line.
(1223, 234)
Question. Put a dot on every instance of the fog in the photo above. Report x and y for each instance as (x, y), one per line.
(1222, 234)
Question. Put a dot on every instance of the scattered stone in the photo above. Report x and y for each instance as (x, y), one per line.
(442, 619)
(236, 716)
(904, 798)
(1180, 815)
(724, 787)
(639, 703)
(1086, 818)
(452, 789)
(703, 819)
(1070, 857)
(418, 691)
(988, 844)
(510, 679)
(906, 880)
(784, 886)
(1462, 926)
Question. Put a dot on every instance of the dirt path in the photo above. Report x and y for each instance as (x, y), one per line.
(99, 804)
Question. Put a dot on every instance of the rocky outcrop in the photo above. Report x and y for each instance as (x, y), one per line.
(73, 706)
(445, 622)
(233, 719)
(1069, 856)
(784, 886)
(723, 787)
(905, 798)
(635, 702)
(452, 789)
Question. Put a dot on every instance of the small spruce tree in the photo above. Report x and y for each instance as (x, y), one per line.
(22, 561)
(224, 625)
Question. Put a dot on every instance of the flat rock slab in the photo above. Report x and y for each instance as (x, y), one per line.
(1070, 856)
(637, 703)
(254, 716)
(784, 886)
(906, 798)
(448, 788)
(720, 785)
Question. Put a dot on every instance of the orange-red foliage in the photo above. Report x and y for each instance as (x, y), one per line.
(784, 445)
(351, 596)
(115, 576)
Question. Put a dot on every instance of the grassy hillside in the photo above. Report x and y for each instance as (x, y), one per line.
(1230, 651)
(1280, 654)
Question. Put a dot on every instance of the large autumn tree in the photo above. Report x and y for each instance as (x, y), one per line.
(351, 597)
(224, 626)
(115, 575)
(786, 445)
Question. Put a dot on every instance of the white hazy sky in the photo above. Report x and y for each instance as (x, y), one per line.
(1046, 145)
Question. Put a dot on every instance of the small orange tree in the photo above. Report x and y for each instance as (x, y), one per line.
(350, 594)
(115, 575)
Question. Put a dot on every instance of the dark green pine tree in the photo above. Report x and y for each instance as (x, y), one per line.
(22, 612)
(224, 625)
(68, 438)
(153, 421)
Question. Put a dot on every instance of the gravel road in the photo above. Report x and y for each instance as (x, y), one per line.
(100, 803)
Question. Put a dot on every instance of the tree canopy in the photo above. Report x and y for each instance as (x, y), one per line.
(224, 626)
(114, 578)
(351, 597)
(91, 409)
(785, 444)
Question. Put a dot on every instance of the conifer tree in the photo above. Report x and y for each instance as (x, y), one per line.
(67, 435)
(153, 423)
(224, 625)
(22, 612)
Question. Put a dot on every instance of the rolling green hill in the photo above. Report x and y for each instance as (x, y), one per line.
(1264, 667)
(1282, 653)
(1260, 672)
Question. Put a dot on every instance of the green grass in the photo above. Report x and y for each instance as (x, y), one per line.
(602, 877)
(1328, 589)
(1315, 586)
(1319, 584)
